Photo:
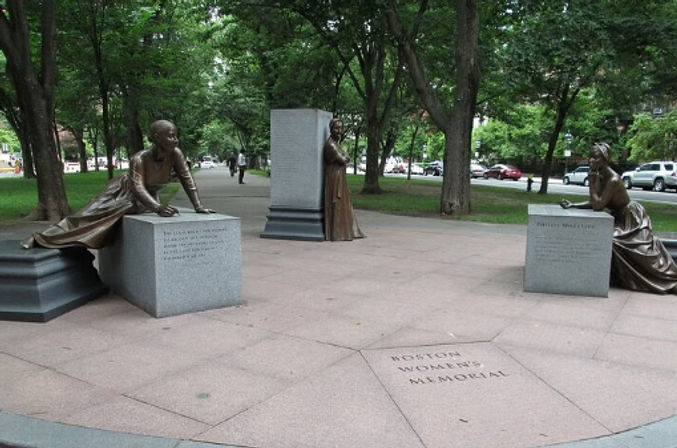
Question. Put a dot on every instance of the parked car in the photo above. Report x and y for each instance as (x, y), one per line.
(501, 171)
(399, 168)
(416, 169)
(477, 170)
(207, 162)
(71, 167)
(657, 175)
(435, 168)
(578, 176)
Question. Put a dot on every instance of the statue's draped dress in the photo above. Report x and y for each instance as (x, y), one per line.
(131, 193)
(339, 220)
(639, 260)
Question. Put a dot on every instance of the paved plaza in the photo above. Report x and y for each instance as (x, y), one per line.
(418, 336)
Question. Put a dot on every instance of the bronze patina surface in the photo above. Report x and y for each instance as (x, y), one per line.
(639, 261)
(131, 193)
(339, 220)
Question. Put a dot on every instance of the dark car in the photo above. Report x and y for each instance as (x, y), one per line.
(501, 171)
(434, 169)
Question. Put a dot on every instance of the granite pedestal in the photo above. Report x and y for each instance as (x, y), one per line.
(39, 284)
(176, 265)
(297, 138)
(568, 251)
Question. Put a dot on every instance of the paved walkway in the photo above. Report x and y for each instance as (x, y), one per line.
(419, 335)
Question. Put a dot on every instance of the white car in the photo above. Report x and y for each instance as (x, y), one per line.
(577, 176)
(657, 175)
(417, 169)
(207, 163)
(477, 170)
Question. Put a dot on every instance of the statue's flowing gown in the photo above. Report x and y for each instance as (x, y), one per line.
(639, 260)
(339, 220)
(131, 193)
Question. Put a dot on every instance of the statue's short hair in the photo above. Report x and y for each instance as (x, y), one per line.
(160, 125)
(604, 149)
(334, 120)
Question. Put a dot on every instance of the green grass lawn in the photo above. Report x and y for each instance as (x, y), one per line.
(18, 196)
(401, 197)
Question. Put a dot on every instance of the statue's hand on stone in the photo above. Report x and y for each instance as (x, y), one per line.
(167, 210)
(565, 203)
(201, 209)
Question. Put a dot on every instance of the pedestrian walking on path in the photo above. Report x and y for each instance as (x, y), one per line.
(241, 166)
(232, 164)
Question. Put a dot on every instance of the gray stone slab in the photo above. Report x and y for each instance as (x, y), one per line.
(568, 251)
(177, 265)
(211, 392)
(39, 284)
(616, 395)
(341, 406)
(467, 395)
(129, 415)
(297, 138)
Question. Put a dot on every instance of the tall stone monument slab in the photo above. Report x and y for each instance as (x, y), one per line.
(183, 264)
(568, 251)
(297, 137)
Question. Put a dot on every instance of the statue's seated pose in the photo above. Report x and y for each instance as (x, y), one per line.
(131, 193)
(639, 260)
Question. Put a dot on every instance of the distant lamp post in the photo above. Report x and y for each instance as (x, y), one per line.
(568, 138)
(478, 145)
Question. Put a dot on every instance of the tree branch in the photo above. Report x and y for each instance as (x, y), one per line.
(416, 71)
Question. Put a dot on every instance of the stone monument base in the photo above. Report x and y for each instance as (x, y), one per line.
(177, 265)
(568, 251)
(39, 284)
(294, 224)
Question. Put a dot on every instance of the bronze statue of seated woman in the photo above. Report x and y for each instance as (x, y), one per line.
(131, 193)
(639, 260)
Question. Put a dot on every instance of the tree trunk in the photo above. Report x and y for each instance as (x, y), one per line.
(552, 143)
(78, 133)
(457, 126)
(411, 144)
(563, 106)
(52, 203)
(356, 146)
(26, 151)
(371, 185)
(387, 150)
(134, 134)
(455, 199)
(36, 93)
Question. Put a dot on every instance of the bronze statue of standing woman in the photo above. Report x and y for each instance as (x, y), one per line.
(131, 193)
(339, 220)
(639, 261)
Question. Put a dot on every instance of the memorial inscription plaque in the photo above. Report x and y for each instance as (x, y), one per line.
(453, 395)
(568, 251)
(185, 264)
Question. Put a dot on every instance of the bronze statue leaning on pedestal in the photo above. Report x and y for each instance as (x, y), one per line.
(131, 193)
(339, 220)
(639, 261)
